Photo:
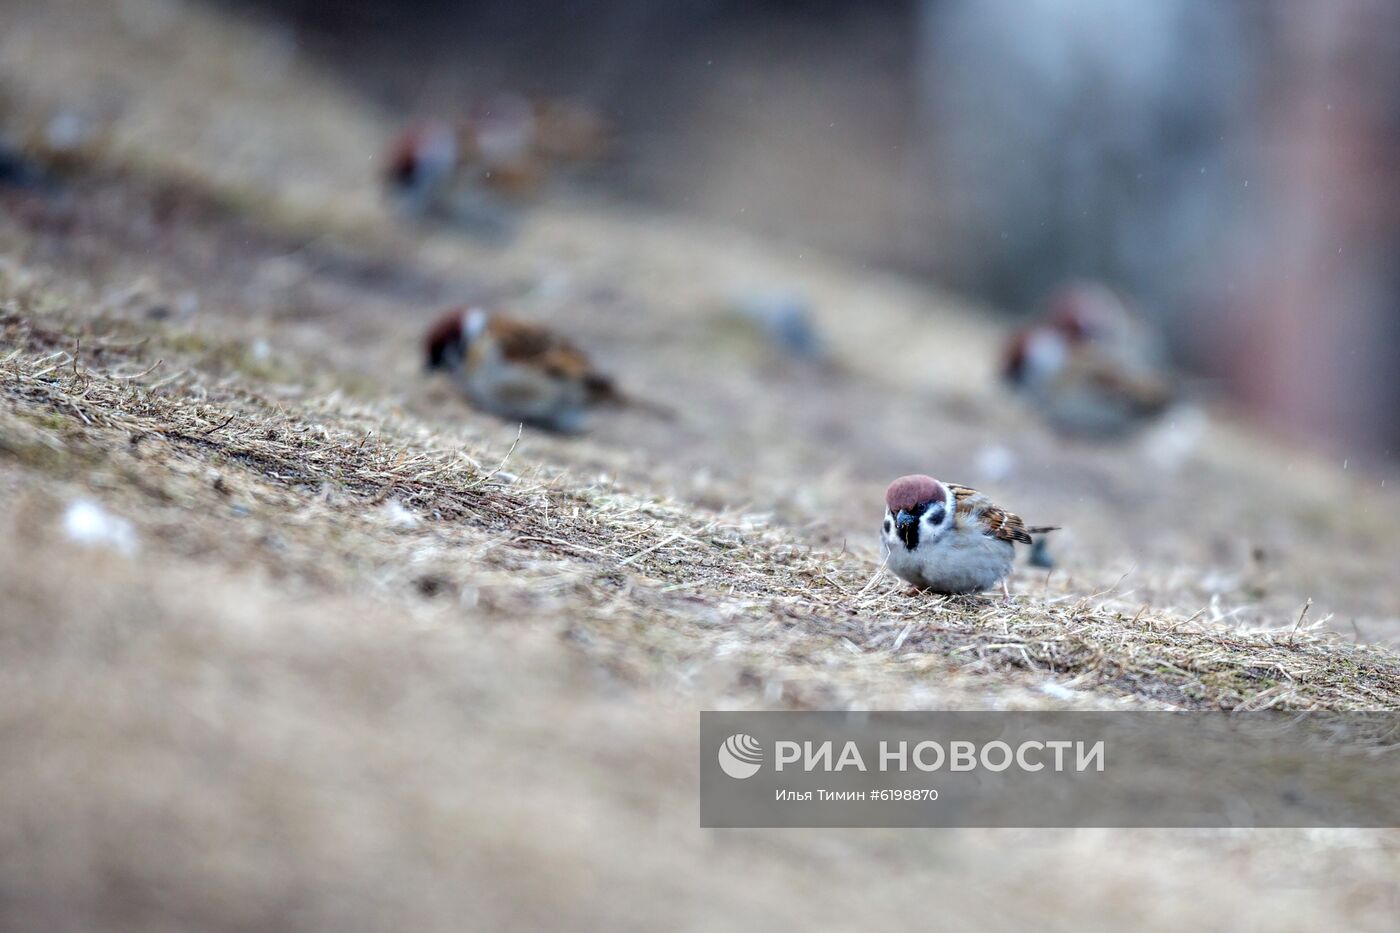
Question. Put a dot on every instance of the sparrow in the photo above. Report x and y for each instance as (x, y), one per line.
(498, 156)
(521, 371)
(420, 164)
(465, 173)
(947, 538)
(1089, 366)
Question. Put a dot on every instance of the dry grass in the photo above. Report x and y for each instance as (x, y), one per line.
(335, 466)
(203, 749)
(383, 662)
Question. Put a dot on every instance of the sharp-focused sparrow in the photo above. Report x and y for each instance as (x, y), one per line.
(521, 371)
(948, 538)
(1089, 366)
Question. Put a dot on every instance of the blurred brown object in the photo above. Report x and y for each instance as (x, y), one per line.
(1090, 366)
(570, 131)
(501, 154)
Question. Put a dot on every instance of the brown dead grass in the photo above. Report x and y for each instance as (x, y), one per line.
(336, 465)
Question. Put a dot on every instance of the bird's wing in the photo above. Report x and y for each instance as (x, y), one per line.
(551, 354)
(1143, 391)
(538, 347)
(990, 519)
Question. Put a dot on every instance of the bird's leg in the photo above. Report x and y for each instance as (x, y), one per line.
(1005, 591)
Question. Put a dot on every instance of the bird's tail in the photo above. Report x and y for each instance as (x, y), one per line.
(1042, 529)
(647, 407)
(604, 390)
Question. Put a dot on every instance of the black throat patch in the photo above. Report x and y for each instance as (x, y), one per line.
(907, 522)
(909, 534)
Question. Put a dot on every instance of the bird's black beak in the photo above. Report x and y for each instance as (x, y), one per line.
(907, 527)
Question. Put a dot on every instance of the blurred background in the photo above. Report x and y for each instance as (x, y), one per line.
(1231, 166)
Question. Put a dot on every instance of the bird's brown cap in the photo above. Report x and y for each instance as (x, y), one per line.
(443, 334)
(909, 491)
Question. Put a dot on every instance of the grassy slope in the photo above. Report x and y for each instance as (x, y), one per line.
(285, 650)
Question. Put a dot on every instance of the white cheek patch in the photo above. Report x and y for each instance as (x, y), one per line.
(1045, 354)
(439, 148)
(474, 323)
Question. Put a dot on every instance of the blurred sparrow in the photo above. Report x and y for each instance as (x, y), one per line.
(466, 173)
(499, 155)
(948, 538)
(521, 371)
(420, 164)
(1089, 366)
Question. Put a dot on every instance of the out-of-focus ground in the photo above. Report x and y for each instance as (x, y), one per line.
(360, 672)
